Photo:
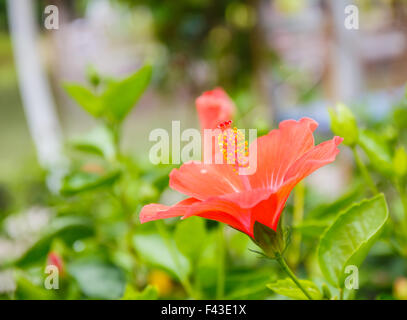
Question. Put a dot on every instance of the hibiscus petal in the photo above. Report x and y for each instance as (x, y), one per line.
(268, 211)
(233, 209)
(314, 159)
(157, 211)
(249, 198)
(222, 210)
(279, 149)
(202, 181)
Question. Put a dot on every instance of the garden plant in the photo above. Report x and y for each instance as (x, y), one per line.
(231, 236)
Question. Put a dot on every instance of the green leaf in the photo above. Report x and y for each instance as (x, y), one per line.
(348, 240)
(288, 288)
(343, 124)
(190, 235)
(313, 227)
(84, 181)
(238, 244)
(121, 96)
(117, 99)
(67, 229)
(400, 115)
(149, 293)
(323, 215)
(98, 279)
(153, 250)
(85, 98)
(243, 283)
(98, 141)
(378, 151)
(326, 292)
(26, 290)
(207, 267)
(329, 210)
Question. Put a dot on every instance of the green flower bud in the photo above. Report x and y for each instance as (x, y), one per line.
(400, 162)
(92, 76)
(271, 242)
(343, 124)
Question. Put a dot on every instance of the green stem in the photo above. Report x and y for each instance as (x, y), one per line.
(162, 230)
(364, 171)
(287, 270)
(298, 214)
(220, 288)
(127, 210)
(115, 129)
(340, 294)
(403, 198)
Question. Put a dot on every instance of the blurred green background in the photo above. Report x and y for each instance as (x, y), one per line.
(277, 60)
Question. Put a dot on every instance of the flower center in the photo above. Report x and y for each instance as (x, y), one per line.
(233, 145)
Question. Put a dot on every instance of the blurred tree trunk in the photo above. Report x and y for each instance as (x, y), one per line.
(65, 8)
(259, 53)
(399, 8)
(344, 70)
(35, 93)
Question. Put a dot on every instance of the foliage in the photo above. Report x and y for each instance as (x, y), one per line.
(107, 254)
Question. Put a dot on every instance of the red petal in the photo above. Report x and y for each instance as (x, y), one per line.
(222, 210)
(234, 209)
(314, 159)
(202, 181)
(279, 149)
(268, 211)
(156, 211)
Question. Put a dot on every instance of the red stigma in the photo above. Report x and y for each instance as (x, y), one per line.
(225, 125)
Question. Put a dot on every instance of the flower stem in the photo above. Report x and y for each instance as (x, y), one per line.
(220, 288)
(364, 171)
(403, 198)
(298, 214)
(127, 209)
(287, 270)
(115, 131)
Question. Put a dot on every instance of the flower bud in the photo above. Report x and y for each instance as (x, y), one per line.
(56, 260)
(93, 76)
(271, 242)
(214, 107)
(343, 123)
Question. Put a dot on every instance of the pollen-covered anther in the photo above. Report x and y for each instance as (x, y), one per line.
(233, 146)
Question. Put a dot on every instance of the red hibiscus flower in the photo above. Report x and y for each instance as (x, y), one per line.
(214, 107)
(285, 156)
